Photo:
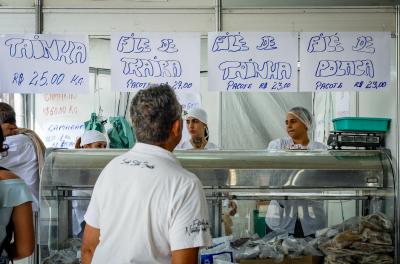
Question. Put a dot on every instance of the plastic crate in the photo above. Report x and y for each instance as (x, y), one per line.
(361, 124)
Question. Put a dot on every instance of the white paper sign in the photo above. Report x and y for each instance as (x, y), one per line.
(252, 61)
(139, 59)
(62, 134)
(59, 118)
(337, 61)
(32, 63)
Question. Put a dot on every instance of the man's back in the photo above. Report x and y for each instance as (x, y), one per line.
(22, 160)
(146, 205)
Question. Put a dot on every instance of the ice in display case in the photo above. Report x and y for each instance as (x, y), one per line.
(350, 183)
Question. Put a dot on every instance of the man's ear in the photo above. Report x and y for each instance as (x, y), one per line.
(176, 129)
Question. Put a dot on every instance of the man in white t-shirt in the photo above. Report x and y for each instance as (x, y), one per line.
(22, 158)
(145, 208)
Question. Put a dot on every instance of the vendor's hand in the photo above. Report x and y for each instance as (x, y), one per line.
(9, 129)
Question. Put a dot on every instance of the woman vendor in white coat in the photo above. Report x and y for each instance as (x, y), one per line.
(300, 218)
(196, 124)
(91, 139)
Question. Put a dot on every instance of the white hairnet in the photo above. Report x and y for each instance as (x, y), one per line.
(303, 115)
(91, 136)
(198, 113)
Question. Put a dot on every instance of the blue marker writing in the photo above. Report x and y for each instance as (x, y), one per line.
(267, 43)
(69, 52)
(364, 44)
(132, 44)
(167, 45)
(231, 43)
(327, 68)
(250, 69)
(321, 43)
(154, 68)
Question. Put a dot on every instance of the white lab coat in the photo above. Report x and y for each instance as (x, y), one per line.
(282, 214)
(187, 145)
(22, 160)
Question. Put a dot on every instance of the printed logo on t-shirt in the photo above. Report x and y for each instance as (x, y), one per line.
(137, 163)
(196, 226)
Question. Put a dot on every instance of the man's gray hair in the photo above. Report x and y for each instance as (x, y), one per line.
(153, 111)
(7, 113)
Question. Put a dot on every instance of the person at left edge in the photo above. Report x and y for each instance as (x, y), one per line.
(25, 154)
(17, 239)
(145, 207)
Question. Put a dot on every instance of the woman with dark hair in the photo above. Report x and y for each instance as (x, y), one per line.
(16, 219)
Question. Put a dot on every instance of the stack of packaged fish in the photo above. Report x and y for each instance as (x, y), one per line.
(361, 240)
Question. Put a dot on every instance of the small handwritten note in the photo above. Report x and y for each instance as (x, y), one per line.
(337, 61)
(140, 59)
(33, 63)
(59, 118)
(62, 134)
(252, 61)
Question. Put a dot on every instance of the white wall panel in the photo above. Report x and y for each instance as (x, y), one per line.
(100, 23)
(304, 3)
(309, 20)
(128, 3)
(17, 21)
(17, 3)
(17, 16)
(103, 17)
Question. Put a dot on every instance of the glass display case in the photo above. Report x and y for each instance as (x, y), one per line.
(348, 183)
